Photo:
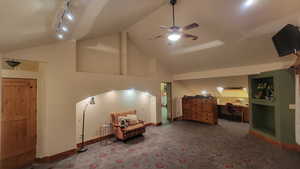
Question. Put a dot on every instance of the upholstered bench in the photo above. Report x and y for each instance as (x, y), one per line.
(133, 128)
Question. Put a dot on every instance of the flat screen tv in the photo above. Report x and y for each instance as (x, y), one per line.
(287, 40)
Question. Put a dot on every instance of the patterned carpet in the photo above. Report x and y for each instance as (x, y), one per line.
(185, 145)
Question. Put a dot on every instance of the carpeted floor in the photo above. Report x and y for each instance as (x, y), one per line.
(185, 145)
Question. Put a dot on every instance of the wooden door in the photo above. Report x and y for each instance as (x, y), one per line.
(18, 123)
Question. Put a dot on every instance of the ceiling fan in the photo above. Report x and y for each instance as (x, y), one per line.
(175, 32)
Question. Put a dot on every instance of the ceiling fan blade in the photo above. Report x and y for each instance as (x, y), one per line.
(191, 26)
(156, 37)
(164, 27)
(193, 37)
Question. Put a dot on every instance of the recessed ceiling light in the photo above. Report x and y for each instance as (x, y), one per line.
(174, 36)
(64, 28)
(60, 36)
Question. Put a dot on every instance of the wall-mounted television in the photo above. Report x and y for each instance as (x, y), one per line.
(287, 40)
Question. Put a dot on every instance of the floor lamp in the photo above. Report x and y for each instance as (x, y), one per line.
(92, 102)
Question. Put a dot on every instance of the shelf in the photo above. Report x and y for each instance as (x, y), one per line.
(272, 118)
(262, 87)
(264, 118)
(263, 102)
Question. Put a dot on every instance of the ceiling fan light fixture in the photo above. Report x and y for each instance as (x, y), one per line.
(174, 36)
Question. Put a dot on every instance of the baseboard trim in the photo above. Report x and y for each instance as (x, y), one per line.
(66, 154)
(158, 124)
(153, 124)
(56, 157)
(293, 147)
(93, 141)
(178, 118)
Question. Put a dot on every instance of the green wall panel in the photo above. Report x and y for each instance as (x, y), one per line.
(273, 118)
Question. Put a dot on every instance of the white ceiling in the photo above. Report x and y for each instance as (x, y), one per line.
(118, 15)
(244, 31)
(26, 23)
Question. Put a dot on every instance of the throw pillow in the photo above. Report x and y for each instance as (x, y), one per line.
(132, 119)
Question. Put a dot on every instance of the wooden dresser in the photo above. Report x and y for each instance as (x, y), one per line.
(198, 108)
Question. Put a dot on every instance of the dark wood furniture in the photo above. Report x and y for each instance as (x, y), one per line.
(198, 108)
(240, 112)
(127, 132)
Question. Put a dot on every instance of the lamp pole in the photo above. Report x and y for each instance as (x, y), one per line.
(82, 149)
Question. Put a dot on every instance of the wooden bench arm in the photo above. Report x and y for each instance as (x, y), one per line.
(116, 125)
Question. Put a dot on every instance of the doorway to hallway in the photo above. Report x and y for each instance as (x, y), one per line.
(166, 102)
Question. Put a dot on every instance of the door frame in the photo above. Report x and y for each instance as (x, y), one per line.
(169, 100)
(35, 111)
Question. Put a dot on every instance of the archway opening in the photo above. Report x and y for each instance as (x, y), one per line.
(98, 114)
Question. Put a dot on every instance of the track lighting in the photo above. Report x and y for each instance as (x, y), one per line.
(64, 16)
(69, 16)
(60, 36)
(64, 28)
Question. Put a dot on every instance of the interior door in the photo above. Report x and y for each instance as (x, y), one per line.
(18, 122)
(169, 100)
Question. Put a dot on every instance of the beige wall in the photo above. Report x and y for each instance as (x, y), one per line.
(99, 55)
(103, 55)
(138, 63)
(24, 66)
(178, 91)
(194, 87)
(113, 101)
(62, 87)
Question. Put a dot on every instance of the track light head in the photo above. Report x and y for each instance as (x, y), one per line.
(64, 28)
(60, 36)
(173, 2)
(70, 16)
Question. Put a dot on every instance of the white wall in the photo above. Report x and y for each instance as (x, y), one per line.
(63, 87)
(113, 101)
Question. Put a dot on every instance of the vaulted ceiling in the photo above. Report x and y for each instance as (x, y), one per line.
(244, 29)
(26, 23)
(231, 33)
